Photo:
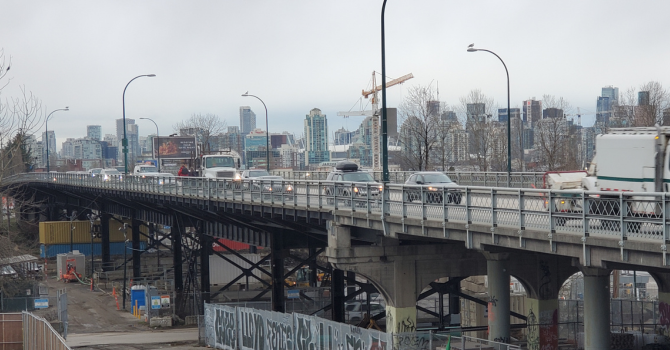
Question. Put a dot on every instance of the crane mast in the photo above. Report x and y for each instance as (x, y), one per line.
(374, 113)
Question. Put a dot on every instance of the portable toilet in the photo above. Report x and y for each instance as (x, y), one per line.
(137, 295)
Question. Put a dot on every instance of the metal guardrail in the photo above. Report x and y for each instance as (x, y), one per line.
(470, 178)
(618, 215)
(39, 335)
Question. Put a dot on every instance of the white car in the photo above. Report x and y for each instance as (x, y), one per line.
(94, 171)
(355, 311)
(111, 173)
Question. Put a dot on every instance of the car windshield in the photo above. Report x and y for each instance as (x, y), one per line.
(148, 169)
(436, 178)
(96, 171)
(358, 177)
(257, 173)
(112, 172)
(216, 162)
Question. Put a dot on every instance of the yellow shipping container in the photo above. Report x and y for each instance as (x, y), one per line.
(58, 232)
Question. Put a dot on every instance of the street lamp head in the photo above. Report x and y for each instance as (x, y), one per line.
(67, 108)
(151, 75)
(246, 93)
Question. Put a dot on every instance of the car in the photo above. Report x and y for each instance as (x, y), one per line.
(94, 171)
(348, 180)
(434, 185)
(355, 311)
(262, 181)
(111, 174)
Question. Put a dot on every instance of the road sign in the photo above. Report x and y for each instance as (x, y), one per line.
(41, 303)
(155, 302)
(294, 294)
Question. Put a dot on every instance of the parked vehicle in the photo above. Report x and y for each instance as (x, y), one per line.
(350, 181)
(433, 186)
(262, 181)
(355, 311)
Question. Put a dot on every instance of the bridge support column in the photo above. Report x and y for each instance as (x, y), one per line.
(663, 282)
(542, 275)
(498, 308)
(104, 242)
(176, 233)
(596, 309)
(277, 272)
(401, 316)
(137, 273)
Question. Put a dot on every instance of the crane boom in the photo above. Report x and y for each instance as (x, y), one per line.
(388, 84)
(375, 114)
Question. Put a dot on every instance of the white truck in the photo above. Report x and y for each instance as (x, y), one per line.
(631, 160)
(225, 165)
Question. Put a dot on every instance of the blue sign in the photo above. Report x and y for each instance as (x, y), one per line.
(41, 303)
(155, 302)
(294, 293)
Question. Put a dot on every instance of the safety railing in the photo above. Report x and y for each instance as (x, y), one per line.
(619, 215)
(468, 178)
(38, 334)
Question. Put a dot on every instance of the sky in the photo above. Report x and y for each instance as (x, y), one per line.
(302, 54)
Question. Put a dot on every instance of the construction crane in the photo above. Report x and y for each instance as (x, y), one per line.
(374, 113)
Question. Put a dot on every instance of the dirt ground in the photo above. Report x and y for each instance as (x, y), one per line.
(95, 312)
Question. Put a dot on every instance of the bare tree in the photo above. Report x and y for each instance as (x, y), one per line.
(653, 100)
(552, 133)
(478, 110)
(204, 127)
(419, 129)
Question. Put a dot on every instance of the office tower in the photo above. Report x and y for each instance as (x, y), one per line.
(552, 113)
(134, 150)
(119, 136)
(343, 136)
(94, 132)
(611, 92)
(502, 114)
(316, 137)
(67, 148)
(532, 111)
(476, 112)
(87, 149)
(606, 104)
(433, 108)
(247, 120)
(51, 145)
(643, 98)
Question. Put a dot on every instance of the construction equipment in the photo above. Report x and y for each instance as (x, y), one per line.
(374, 113)
(71, 274)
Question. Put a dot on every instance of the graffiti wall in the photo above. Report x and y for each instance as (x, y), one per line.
(246, 329)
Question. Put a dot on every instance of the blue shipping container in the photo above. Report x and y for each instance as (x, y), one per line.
(116, 248)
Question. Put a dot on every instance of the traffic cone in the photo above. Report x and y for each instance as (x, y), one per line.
(116, 298)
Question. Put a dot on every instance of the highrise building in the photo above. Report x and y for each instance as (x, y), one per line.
(502, 114)
(552, 113)
(316, 137)
(611, 92)
(476, 112)
(134, 151)
(119, 136)
(433, 108)
(94, 132)
(247, 120)
(532, 111)
(343, 136)
(51, 136)
(87, 149)
(606, 104)
(67, 148)
(643, 98)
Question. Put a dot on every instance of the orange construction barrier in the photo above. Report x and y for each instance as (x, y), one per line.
(116, 298)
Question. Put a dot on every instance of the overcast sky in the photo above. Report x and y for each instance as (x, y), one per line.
(299, 54)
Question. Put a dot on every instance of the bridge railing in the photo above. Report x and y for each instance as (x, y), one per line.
(618, 215)
(468, 178)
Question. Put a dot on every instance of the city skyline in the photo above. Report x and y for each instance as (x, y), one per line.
(103, 53)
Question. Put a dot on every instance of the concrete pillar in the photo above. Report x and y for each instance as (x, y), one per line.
(498, 308)
(338, 236)
(542, 320)
(401, 316)
(596, 309)
(277, 272)
(176, 232)
(663, 312)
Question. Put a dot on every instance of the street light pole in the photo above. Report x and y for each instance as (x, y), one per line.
(46, 130)
(158, 142)
(385, 154)
(471, 48)
(125, 139)
(267, 132)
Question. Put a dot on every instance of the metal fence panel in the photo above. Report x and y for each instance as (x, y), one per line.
(39, 335)
(11, 328)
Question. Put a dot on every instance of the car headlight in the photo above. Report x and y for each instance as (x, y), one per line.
(237, 177)
(355, 189)
(430, 188)
(381, 188)
(289, 188)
